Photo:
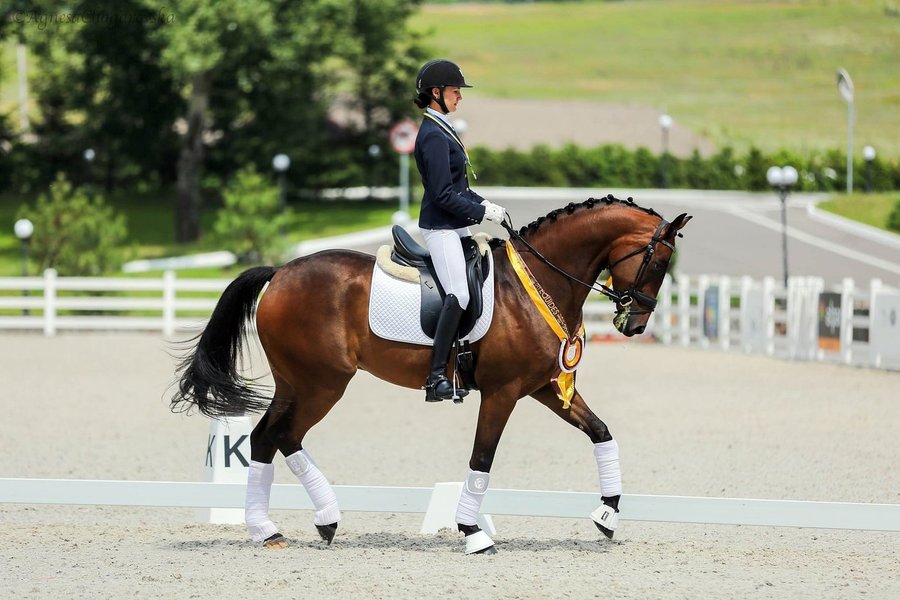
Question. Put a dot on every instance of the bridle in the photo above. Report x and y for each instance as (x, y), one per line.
(625, 299)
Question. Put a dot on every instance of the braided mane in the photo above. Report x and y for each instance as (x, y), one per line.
(570, 208)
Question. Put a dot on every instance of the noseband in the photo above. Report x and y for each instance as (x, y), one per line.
(625, 299)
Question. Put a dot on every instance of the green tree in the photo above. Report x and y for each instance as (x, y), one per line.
(893, 222)
(74, 234)
(101, 87)
(194, 88)
(250, 222)
(197, 45)
(381, 57)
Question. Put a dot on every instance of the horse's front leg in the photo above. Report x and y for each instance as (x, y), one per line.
(606, 453)
(492, 417)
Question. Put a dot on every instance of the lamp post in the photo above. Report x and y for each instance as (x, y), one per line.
(281, 163)
(869, 156)
(374, 153)
(845, 87)
(782, 178)
(24, 228)
(89, 156)
(665, 124)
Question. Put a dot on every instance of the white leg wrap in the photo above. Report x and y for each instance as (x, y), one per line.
(256, 507)
(472, 495)
(607, 456)
(317, 487)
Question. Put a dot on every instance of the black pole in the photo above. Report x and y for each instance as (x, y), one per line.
(282, 191)
(282, 197)
(664, 159)
(25, 271)
(868, 176)
(782, 192)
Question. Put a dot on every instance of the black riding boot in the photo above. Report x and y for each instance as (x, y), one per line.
(438, 387)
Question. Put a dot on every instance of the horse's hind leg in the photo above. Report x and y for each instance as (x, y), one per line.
(260, 476)
(310, 404)
(606, 453)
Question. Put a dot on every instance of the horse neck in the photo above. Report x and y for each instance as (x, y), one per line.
(580, 245)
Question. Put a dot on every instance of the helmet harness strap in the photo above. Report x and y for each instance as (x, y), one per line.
(440, 100)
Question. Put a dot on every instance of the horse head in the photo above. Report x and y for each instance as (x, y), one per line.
(638, 272)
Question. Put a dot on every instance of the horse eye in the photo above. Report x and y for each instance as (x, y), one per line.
(658, 266)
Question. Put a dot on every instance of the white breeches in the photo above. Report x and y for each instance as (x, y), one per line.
(449, 261)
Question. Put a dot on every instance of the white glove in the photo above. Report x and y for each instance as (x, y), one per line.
(493, 212)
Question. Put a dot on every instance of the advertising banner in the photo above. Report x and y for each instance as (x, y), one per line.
(830, 321)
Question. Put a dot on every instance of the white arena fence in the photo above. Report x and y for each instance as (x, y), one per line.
(533, 503)
(806, 321)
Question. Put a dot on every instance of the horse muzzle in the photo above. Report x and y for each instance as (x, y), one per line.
(630, 323)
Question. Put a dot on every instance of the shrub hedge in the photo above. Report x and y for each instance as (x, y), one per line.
(616, 166)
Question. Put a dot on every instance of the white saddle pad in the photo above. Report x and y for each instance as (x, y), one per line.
(395, 304)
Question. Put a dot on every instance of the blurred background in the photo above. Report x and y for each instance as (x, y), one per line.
(140, 129)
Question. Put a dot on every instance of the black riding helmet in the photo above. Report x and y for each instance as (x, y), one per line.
(440, 73)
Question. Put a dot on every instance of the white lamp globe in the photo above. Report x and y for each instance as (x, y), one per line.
(281, 162)
(665, 121)
(868, 153)
(789, 175)
(23, 228)
(774, 176)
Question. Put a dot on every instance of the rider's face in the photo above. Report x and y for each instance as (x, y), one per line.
(452, 96)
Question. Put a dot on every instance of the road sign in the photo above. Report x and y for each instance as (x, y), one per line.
(403, 136)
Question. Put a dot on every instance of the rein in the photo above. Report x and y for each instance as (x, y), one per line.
(623, 299)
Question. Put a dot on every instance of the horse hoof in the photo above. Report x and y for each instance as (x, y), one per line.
(275, 542)
(477, 541)
(607, 532)
(606, 518)
(327, 532)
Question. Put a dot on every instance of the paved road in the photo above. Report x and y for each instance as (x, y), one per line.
(735, 233)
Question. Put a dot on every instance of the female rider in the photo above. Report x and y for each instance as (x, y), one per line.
(448, 208)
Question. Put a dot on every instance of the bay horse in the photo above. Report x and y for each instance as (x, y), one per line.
(312, 322)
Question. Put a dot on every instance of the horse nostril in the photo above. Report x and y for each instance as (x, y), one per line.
(639, 330)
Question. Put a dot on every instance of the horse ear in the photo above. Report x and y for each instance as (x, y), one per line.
(679, 222)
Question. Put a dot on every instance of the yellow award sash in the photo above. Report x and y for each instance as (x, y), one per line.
(571, 348)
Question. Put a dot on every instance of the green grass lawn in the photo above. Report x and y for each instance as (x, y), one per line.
(151, 225)
(739, 72)
(871, 209)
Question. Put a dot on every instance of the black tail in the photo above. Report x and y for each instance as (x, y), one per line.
(208, 376)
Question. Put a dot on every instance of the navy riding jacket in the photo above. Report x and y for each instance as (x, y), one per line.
(447, 202)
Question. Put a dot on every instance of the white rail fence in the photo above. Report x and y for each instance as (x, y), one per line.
(806, 321)
(535, 503)
(52, 303)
